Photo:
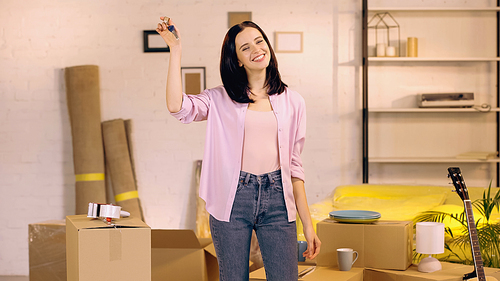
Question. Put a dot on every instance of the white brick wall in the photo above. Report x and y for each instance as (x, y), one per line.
(38, 39)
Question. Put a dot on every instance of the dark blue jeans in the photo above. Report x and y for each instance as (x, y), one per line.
(259, 205)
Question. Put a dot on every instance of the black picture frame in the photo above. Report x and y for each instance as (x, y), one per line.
(147, 46)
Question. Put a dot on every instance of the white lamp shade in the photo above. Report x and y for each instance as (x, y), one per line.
(430, 238)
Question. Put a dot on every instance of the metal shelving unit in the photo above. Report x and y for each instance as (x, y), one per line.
(365, 89)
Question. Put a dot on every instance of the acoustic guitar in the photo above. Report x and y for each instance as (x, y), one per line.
(459, 183)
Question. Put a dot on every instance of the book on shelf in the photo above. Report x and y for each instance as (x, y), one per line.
(483, 155)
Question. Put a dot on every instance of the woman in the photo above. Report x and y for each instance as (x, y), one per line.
(252, 176)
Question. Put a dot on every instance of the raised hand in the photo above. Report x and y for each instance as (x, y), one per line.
(168, 36)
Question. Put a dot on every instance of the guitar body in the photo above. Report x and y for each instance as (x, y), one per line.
(459, 183)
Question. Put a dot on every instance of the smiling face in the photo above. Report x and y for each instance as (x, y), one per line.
(252, 50)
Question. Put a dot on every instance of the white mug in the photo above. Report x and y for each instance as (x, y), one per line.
(345, 258)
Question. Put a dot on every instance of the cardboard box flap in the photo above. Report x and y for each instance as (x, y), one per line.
(130, 222)
(174, 238)
(209, 248)
(212, 264)
(113, 226)
(204, 242)
(83, 222)
(318, 274)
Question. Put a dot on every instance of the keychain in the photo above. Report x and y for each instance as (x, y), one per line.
(170, 27)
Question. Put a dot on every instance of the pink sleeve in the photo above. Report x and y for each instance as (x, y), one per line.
(194, 107)
(296, 169)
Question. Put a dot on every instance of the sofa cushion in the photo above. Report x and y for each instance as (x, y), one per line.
(393, 202)
(473, 192)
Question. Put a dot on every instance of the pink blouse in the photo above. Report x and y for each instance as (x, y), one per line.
(224, 144)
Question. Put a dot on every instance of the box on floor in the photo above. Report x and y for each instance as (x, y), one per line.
(98, 251)
(47, 250)
(169, 248)
(180, 255)
(319, 274)
(383, 244)
(450, 272)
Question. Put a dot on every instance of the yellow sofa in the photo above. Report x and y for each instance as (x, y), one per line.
(397, 202)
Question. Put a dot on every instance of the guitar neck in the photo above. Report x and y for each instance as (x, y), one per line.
(474, 243)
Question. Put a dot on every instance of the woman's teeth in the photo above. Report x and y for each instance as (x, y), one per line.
(259, 58)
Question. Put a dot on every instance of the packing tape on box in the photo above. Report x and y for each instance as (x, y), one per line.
(90, 177)
(110, 211)
(127, 195)
(104, 211)
(115, 244)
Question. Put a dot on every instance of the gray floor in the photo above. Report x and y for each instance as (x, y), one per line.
(14, 278)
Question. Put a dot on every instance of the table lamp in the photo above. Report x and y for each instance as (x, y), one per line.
(430, 241)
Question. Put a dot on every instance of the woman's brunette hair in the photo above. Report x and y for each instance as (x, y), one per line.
(235, 78)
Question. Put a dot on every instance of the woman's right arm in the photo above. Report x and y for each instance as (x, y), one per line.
(174, 81)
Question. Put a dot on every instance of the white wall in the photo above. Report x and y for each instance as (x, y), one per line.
(38, 39)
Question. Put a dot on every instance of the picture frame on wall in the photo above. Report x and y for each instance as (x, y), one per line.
(288, 42)
(153, 42)
(193, 80)
(234, 18)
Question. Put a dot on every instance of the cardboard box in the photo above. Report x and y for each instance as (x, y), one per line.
(97, 251)
(180, 255)
(450, 272)
(383, 244)
(319, 274)
(47, 250)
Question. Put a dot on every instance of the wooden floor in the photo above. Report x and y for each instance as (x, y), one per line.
(14, 278)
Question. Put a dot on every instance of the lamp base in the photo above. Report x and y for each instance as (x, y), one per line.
(429, 264)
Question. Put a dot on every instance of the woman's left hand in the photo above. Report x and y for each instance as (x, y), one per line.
(313, 243)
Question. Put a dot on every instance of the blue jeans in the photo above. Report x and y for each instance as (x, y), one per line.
(259, 205)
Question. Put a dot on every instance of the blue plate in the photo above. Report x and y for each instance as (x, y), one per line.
(355, 216)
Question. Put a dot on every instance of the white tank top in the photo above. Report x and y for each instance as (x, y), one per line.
(260, 143)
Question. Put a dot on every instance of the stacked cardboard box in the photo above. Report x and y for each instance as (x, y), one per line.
(131, 251)
(383, 244)
(98, 251)
(175, 254)
(47, 250)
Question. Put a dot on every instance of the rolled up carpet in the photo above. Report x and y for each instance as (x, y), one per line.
(84, 106)
(120, 167)
(128, 132)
